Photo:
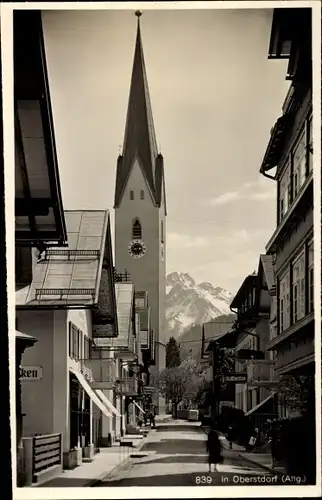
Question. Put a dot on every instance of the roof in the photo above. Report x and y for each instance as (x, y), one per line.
(140, 139)
(124, 305)
(266, 262)
(250, 279)
(39, 215)
(24, 336)
(70, 276)
(213, 331)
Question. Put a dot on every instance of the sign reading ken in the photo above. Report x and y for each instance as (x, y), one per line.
(30, 373)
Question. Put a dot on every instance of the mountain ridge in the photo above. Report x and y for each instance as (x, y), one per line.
(190, 304)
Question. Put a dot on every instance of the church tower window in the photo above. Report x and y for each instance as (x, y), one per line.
(131, 195)
(142, 194)
(162, 232)
(136, 230)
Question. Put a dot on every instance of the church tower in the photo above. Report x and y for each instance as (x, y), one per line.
(140, 202)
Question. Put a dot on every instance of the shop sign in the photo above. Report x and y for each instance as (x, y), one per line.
(30, 373)
(236, 378)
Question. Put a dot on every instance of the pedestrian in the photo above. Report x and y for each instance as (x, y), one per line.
(230, 437)
(214, 449)
(253, 439)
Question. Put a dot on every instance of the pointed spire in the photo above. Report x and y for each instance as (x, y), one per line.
(139, 138)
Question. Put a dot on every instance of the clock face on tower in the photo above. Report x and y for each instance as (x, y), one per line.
(137, 249)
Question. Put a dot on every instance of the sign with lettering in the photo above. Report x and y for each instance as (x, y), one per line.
(236, 378)
(30, 373)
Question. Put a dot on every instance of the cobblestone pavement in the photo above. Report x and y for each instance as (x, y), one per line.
(176, 456)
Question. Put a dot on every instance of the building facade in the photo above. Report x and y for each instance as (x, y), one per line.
(250, 336)
(289, 156)
(140, 203)
(39, 215)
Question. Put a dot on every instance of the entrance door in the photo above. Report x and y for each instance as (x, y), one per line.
(74, 396)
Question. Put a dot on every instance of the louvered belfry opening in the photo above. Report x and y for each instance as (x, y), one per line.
(137, 230)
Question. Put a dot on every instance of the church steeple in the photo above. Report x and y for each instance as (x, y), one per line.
(139, 138)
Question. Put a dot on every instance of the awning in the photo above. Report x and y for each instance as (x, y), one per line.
(138, 406)
(107, 402)
(87, 388)
(260, 404)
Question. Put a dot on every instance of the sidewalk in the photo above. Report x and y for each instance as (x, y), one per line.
(104, 463)
(263, 460)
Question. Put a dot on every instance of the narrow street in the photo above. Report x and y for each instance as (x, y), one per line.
(175, 455)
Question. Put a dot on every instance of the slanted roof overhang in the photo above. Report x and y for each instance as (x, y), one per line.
(38, 201)
(250, 280)
(276, 143)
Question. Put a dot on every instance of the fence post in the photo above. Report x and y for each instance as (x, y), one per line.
(28, 461)
(61, 448)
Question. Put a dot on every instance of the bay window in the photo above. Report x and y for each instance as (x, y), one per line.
(298, 288)
(284, 302)
(284, 192)
(299, 164)
(310, 277)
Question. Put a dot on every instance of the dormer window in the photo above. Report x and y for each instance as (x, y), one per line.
(142, 194)
(131, 195)
(136, 230)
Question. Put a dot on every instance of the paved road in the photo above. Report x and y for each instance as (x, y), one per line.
(175, 455)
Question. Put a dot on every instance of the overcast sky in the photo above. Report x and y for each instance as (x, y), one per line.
(215, 97)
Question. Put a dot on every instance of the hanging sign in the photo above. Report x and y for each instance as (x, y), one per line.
(30, 373)
(237, 378)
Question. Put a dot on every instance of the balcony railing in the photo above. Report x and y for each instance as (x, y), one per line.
(100, 372)
(70, 253)
(261, 373)
(124, 277)
(128, 386)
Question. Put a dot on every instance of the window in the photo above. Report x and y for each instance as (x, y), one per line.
(284, 303)
(298, 288)
(142, 194)
(75, 342)
(310, 276)
(87, 347)
(284, 192)
(136, 230)
(299, 164)
(131, 195)
(162, 232)
(310, 141)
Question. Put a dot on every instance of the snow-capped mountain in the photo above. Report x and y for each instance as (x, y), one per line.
(189, 303)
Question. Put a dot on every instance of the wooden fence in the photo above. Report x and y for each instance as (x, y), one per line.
(46, 452)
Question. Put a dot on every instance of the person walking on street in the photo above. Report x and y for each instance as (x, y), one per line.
(214, 449)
